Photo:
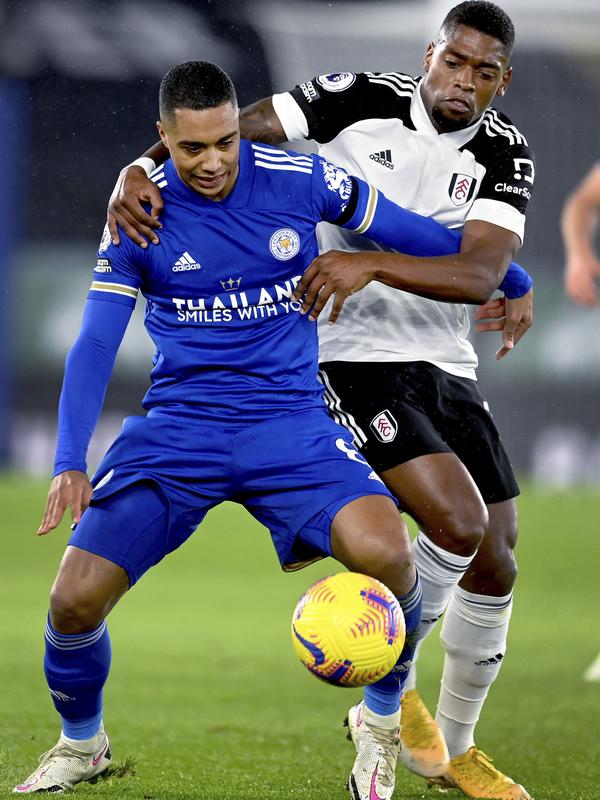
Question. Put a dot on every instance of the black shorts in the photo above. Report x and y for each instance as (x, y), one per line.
(400, 411)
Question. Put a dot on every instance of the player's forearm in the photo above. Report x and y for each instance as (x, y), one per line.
(260, 123)
(429, 261)
(88, 369)
(450, 279)
(579, 222)
(157, 153)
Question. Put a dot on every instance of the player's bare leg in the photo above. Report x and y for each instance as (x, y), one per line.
(77, 661)
(86, 589)
(368, 535)
(439, 493)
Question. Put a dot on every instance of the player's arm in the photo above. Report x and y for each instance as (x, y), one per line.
(132, 189)
(88, 369)
(111, 300)
(456, 269)
(579, 223)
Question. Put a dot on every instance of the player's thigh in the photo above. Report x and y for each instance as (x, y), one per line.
(137, 525)
(299, 471)
(439, 493)
(393, 412)
(369, 535)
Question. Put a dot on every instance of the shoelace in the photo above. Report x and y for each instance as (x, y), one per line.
(60, 749)
(485, 761)
(388, 751)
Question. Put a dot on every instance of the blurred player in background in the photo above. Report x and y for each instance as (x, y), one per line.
(235, 408)
(579, 225)
(398, 369)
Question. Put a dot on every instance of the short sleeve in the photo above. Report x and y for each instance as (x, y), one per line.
(331, 103)
(117, 276)
(506, 190)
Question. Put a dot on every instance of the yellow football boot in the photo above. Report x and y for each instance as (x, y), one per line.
(475, 775)
(423, 749)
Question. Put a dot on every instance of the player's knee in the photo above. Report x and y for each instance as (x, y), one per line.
(502, 571)
(494, 570)
(389, 560)
(72, 611)
(460, 530)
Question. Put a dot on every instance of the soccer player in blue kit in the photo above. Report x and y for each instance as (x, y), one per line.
(234, 410)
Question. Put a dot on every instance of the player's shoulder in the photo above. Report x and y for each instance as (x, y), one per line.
(497, 134)
(331, 103)
(110, 256)
(286, 166)
(397, 84)
(383, 95)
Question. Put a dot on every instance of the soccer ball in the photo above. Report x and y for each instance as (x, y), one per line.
(348, 629)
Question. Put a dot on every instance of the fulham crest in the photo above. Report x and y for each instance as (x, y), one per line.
(462, 188)
(385, 426)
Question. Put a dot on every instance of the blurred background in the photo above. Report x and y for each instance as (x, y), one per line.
(78, 95)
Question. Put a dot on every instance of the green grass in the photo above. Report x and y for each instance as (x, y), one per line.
(206, 700)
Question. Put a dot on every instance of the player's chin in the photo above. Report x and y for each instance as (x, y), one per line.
(453, 119)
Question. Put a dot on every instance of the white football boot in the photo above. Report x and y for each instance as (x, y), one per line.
(373, 775)
(63, 766)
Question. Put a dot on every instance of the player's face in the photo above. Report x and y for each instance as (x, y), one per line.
(204, 147)
(463, 74)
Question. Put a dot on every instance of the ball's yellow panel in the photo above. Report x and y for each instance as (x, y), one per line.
(348, 629)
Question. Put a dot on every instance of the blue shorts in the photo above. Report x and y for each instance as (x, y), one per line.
(164, 473)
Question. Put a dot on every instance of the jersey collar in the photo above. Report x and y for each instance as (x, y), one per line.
(237, 198)
(423, 124)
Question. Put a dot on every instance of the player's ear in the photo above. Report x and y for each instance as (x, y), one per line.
(162, 133)
(428, 56)
(506, 78)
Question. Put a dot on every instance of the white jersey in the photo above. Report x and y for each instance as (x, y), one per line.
(376, 126)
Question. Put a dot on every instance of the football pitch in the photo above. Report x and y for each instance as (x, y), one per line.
(206, 700)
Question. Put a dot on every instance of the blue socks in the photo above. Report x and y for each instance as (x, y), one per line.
(76, 667)
(383, 697)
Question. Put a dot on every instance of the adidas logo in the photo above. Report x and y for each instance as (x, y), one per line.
(186, 263)
(489, 662)
(383, 157)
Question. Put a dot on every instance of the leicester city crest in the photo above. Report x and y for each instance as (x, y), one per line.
(284, 244)
(336, 81)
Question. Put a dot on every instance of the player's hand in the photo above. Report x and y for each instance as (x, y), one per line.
(71, 489)
(580, 280)
(133, 187)
(333, 273)
(512, 317)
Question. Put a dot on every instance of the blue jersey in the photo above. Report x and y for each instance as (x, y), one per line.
(230, 343)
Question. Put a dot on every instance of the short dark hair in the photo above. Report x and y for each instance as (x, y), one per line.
(484, 17)
(195, 84)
